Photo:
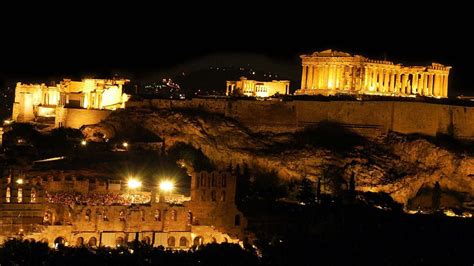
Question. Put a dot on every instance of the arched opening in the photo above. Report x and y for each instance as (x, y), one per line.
(213, 195)
(47, 218)
(214, 241)
(33, 195)
(8, 195)
(183, 242)
(223, 195)
(237, 220)
(190, 217)
(59, 242)
(92, 242)
(20, 195)
(174, 215)
(158, 215)
(80, 242)
(171, 241)
(146, 240)
(198, 241)
(45, 241)
(119, 242)
(88, 215)
(225, 240)
(224, 181)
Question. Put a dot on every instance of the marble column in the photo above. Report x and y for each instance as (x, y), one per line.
(373, 84)
(446, 77)
(404, 83)
(414, 84)
(366, 78)
(421, 82)
(315, 77)
(386, 81)
(303, 77)
(392, 81)
(430, 84)
(309, 82)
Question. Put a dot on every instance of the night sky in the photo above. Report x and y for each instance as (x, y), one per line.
(137, 45)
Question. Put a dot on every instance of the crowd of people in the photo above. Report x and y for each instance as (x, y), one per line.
(94, 199)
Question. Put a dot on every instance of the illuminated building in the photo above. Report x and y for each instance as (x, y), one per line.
(256, 88)
(60, 208)
(332, 72)
(50, 104)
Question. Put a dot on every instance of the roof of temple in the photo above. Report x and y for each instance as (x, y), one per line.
(331, 53)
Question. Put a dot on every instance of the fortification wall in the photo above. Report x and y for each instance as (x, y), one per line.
(366, 117)
(76, 118)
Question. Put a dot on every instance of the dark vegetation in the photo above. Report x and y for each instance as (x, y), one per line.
(17, 252)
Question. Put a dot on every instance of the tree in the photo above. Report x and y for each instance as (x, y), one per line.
(306, 192)
(351, 193)
(318, 190)
(436, 197)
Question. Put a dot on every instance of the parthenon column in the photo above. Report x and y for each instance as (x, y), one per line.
(398, 82)
(430, 84)
(414, 84)
(309, 82)
(404, 83)
(386, 81)
(373, 80)
(421, 83)
(366, 78)
(392, 81)
(380, 81)
(303, 77)
(324, 78)
(315, 77)
(446, 77)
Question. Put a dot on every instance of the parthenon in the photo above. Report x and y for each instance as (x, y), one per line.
(333, 72)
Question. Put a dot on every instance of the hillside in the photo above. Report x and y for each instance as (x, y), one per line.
(398, 165)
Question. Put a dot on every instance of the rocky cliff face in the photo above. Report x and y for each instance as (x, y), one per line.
(396, 165)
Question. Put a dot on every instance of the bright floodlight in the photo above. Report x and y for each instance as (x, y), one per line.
(83, 143)
(19, 181)
(125, 144)
(166, 186)
(134, 183)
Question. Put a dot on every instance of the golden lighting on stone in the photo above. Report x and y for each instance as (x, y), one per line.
(134, 183)
(332, 72)
(166, 185)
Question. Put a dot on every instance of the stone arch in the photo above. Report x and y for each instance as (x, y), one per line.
(225, 240)
(213, 240)
(174, 215)
(171, 241)
(183, 242)
(8, 195)
(92, 242)
(80, 241)
(157, 215)
(199, 240)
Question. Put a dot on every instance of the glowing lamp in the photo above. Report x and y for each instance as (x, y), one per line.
(19, 181)
(166, 186)
(83, 143)
(125, 144)
(134, 183)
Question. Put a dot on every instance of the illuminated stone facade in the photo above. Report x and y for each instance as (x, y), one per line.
(64, 209)
(254, 88)
(42, 103)
(332, 72)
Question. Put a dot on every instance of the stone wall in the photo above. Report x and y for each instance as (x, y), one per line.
(366, 117)
(76, 118)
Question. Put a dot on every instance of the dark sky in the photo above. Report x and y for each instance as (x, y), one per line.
(137, 43)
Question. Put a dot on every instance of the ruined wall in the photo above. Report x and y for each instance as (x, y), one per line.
(366, 117)
(76, 118)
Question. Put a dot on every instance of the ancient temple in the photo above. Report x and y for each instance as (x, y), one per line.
(333, 72)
